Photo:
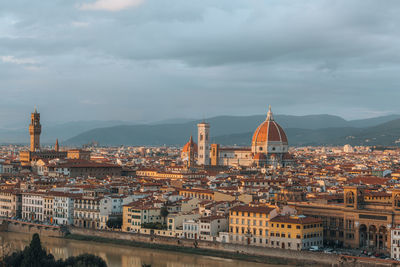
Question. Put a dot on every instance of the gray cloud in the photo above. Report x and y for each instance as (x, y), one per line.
(161, 59)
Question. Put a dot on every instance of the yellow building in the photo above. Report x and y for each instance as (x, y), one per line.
(245, 198)
(78, 154)
(250, 225)
(154, 174)
(135, 214)
(295, 232)
(197, 193)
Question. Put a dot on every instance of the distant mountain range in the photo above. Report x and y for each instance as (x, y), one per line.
(52, 131)
(13, 133)
(226, 130)
(230, 130)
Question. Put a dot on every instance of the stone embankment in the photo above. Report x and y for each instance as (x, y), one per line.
(31, 228)
(300, 257)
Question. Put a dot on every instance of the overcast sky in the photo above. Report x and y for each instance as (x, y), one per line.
(147, 60)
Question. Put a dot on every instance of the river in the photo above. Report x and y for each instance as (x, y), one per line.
(122, 256)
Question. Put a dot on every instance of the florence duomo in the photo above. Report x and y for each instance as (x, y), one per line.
(199, 133)
(269, 148)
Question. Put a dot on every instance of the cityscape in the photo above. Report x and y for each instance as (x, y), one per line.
(137, 133)
(331, 200)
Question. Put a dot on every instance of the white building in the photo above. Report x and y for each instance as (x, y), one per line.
(210, 227)
(33, 206)
(175, 220)
(63, 208)
(48, 208)
(87, 212)
(111, 207)
(395, 248)
(191, 229)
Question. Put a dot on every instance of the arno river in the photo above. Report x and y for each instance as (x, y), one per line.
(122, 256)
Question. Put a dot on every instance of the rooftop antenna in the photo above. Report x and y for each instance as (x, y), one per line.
(35, 109)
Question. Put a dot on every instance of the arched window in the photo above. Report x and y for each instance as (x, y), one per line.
(350, 198)
(397, 201)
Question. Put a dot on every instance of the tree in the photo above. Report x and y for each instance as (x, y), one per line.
(164, 212)
(35, 255)
(85, 260)
(114, 223)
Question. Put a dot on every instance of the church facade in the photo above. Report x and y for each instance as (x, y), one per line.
(269, 147)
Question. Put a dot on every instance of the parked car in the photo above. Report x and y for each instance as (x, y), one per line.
(314, 248)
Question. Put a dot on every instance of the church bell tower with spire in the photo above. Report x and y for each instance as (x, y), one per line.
(35, 129)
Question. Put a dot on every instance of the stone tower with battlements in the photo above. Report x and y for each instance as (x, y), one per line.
(35, 129)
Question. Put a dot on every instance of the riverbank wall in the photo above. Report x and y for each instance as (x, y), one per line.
(300, 257)
(32, 228)
(261, 254)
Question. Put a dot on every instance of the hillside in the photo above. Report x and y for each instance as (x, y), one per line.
(230, 130)
(52, 131)
(386, 134)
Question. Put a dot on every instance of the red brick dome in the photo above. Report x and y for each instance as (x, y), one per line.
(269, 131)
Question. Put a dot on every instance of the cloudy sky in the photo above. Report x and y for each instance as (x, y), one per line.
(147, 60)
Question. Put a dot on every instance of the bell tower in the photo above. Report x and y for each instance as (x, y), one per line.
(191, 152)
(203, 154)
(57, 146)
(35, 130)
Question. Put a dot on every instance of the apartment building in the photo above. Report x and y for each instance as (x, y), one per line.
(395, 248)
(295, 232)
(111, 207)
(87, 212)
(137, 213)
(33, 206)
(250, 224)
(210, 226)
(191, 229)
(48, 208)
(63, 208)
(10, 203)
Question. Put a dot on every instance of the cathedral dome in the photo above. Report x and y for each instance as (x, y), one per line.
(269, 137)
(189, 144)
